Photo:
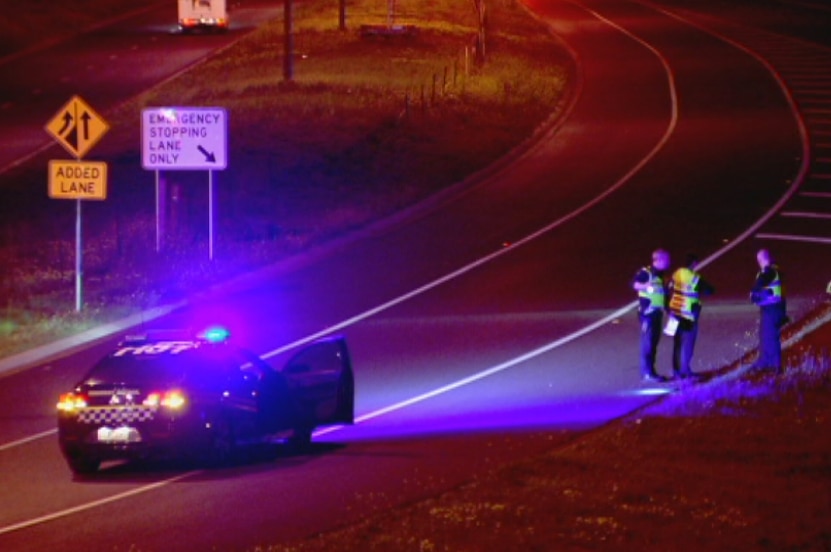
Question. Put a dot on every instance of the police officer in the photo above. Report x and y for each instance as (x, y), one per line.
(649, 283)
(768, 294)
(685, 291)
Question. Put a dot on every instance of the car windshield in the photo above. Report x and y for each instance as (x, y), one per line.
(159, 370)
(167, 363)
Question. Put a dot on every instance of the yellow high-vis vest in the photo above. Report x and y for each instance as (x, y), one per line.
(774, 288)
(655, 293)
(685, 296)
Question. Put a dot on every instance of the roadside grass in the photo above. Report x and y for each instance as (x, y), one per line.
(739, 389)
(738, 396)
(367, 127)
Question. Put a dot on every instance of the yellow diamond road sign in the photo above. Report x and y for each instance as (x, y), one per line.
(77, 127)
(77, 179)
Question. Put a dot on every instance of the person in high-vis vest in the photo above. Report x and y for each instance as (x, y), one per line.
(651, 288)
(768, 293)
(685, 291)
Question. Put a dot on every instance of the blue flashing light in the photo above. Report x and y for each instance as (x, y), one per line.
(216, 334)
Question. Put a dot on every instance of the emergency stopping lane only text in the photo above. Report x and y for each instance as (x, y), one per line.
(184, 138)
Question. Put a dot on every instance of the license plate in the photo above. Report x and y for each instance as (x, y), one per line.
(118, 435)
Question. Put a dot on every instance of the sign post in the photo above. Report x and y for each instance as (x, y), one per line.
(185, 138)
(77, 127)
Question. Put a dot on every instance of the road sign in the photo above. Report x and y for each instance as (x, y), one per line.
(184, 138)
(77, 179)
(77, 127)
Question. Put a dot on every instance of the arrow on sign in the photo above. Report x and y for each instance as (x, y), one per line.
(209, 157)
(86, 117)
(67, 119)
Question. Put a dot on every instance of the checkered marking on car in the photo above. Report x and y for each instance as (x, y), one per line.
(116, 414)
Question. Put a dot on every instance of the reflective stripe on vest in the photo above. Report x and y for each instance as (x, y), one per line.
(684, 294)
(774, 288)
(657, 296)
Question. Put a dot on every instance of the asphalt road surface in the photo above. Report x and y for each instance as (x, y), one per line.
(496, 322)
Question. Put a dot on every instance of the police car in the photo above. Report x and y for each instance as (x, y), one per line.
(156, 395)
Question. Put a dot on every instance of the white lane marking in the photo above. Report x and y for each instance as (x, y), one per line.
(490, 371)
(93, 504)
(800, 122)
(805, 214)
(793, 237)
(25, 440)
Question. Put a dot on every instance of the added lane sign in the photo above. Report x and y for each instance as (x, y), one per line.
(184, 138)
(77, 179)
(77, 127)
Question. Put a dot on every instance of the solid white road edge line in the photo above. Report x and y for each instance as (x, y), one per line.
(93, 504)
(25, 440)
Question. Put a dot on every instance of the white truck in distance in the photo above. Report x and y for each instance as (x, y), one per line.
(195, 14)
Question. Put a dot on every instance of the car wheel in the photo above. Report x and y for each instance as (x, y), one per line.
(222, 446)
(301, 439)
(83, 465)
(346, 396)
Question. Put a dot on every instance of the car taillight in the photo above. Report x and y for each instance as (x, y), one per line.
(168, 399)
(173, 399)
(70, 402)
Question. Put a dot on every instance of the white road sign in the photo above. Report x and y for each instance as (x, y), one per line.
(184, 138)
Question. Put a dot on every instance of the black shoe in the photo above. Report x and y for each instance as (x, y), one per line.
(652, 378)
(689, 378)
(759, 369)
(686, 375)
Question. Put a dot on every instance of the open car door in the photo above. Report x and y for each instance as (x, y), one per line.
(321, 382)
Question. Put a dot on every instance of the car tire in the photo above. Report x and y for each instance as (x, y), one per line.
(83, 465)
(222, 446)
(301, 439)
(346, 397)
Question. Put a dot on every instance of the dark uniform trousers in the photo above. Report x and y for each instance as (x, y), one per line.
(683, 347)
(771, 319)
(651, 327)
